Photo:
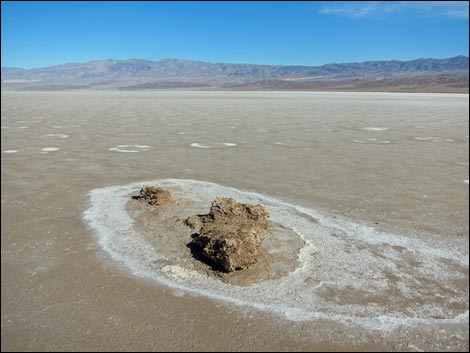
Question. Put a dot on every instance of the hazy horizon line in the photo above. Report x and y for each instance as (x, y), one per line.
(230, 63)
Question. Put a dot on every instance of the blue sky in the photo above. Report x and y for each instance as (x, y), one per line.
(36, 34)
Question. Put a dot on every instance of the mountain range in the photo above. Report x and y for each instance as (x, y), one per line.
(176, 73)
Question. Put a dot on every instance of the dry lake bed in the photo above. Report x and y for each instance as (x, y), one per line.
(373, 186)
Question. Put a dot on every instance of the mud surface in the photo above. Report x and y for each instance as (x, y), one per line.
(395, 162)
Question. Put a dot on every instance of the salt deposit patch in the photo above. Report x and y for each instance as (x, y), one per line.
(61, 136)
(289, 144)
(229, 144)
(125, 151)
(5, 127)
(22, 127)
(373, 140)
(372, 128)
(466, 181)
(426, 138)
(10, 151)
(130, 148)
(433, 139)
(349, 272)
(49, 149)
(197, 145)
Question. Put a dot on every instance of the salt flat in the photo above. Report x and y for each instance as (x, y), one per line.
(395, 163)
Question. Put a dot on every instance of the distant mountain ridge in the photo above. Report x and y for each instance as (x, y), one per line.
(138, 71)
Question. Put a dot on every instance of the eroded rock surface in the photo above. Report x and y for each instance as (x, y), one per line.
(154, 196)
(230, 235)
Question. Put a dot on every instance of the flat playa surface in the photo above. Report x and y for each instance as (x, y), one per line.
(394, 162)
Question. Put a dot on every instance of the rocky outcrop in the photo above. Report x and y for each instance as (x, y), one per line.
(154, 196)
(231, 234)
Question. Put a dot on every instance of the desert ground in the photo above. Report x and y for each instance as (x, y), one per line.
(375, 183)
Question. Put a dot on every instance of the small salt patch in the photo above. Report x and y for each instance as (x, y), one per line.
(124, 148)
(286, 144)
(61, 136)
(432, 139)
(372, 128)
(373, 140)
(229, 144)
(49, 149)
(197, 145)
(10, 151)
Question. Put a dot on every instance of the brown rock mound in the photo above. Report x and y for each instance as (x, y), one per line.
(231, 233)
(154, 196)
